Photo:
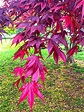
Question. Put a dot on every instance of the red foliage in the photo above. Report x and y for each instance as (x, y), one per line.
(46, 24)
(29, 89)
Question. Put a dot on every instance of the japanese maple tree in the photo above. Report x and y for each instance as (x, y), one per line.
(46, 24)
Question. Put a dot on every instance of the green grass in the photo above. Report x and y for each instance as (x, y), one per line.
(79, 56)
(64, 89)
(77, 68)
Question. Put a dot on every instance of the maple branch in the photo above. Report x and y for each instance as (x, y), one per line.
(47, 33)
(20, 14)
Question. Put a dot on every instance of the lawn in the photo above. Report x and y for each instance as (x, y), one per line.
(64, 85)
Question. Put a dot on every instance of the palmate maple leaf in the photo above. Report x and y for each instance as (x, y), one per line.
(53, 48)
(35, 68)
(18, 71)
(20, 54)
(29, 90)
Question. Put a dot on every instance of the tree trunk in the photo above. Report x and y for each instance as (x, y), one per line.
(70, 59)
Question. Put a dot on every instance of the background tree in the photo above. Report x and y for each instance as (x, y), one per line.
(46, 24)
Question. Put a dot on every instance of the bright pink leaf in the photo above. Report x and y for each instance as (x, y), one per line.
(83, 10)
(24, 93)
(79, 4)
(37, 92)
(35, 68)
(18, 71)
(31, 97)
(28, 73)
(28, 90)
(20, 54)
(36, 75)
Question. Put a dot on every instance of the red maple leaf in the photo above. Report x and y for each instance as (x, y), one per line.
(28, 91)
(18, 71)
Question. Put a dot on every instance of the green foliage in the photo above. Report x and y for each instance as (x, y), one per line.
(10, 30)
(80, 48)
(13, 30)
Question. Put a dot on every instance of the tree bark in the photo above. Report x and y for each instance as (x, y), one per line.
(70, 59)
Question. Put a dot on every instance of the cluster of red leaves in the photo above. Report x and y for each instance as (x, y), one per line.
(35, 70)
(29, 90)
(45, 23)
